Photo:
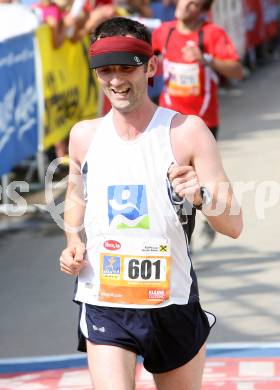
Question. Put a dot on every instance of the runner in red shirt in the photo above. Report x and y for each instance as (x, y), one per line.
(194, 53)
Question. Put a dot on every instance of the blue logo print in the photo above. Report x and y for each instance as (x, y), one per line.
(127, 207)
(111, 265)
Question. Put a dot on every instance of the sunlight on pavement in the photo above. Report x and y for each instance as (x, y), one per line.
(219, 374)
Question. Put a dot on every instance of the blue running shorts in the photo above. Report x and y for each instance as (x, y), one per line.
(166, 337)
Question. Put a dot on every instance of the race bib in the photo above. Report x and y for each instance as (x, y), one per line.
(135, 271)
(183, 79)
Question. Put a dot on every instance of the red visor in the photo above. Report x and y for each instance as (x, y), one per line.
(119, 50)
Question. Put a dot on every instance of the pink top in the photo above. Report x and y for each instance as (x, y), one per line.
(51, 10)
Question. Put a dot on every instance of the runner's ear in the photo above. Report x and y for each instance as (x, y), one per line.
(152, 66)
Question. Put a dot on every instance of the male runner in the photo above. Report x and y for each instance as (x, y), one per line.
(136, 286)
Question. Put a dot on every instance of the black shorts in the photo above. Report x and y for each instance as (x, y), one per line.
(166, 337)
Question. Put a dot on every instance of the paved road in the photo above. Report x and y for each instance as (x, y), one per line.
(219, 374)
(239, 280)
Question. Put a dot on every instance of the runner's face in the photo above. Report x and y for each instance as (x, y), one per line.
(125, 86)
(188, 10)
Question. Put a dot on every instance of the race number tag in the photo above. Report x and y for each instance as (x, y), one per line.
(135, 271)
(183, 80)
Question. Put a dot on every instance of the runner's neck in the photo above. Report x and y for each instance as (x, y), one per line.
(131, 125)
(190, 27)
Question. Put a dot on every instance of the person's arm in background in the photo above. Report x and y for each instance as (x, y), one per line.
(93, 19)
(73, 17)
(227, 68)
(223, 57)
(52, 15)
(77, 8)
(58, 33)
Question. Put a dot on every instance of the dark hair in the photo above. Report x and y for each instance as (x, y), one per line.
(122, 26)
(207, 4)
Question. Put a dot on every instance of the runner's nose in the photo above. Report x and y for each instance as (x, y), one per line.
(117, 79)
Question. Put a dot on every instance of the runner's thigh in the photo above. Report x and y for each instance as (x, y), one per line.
(186, 377)
(111, 367)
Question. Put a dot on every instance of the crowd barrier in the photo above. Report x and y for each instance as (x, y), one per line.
(249, 23)
(45, 91)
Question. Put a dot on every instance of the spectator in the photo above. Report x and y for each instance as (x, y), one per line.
(194, 51)
(53, 13)
(83, 18)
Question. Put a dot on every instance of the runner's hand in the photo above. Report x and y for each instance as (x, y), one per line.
(191, 53)
(72, 259)
(185, 183)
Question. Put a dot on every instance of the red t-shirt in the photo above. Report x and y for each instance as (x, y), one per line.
(191, 88)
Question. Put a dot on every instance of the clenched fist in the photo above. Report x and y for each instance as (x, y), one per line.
(72, 259)
(185, 183)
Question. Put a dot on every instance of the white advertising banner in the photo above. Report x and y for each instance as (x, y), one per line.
(15, 20)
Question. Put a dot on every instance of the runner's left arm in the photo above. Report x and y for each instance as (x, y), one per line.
(199, 165)
(227, 68)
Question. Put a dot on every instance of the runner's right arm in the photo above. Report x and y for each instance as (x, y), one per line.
(72, 257)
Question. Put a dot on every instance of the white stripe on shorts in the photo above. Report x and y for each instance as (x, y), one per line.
(83, 322)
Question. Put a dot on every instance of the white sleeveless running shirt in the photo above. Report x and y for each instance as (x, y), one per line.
(136, 247)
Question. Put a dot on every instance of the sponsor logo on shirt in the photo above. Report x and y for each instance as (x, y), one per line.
(111, 266)
(156, 294)
(127, 207)
(112, 245)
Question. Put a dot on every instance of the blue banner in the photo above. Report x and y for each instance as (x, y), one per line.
(18, 102)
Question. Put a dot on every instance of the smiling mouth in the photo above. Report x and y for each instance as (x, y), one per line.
(122, 92)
